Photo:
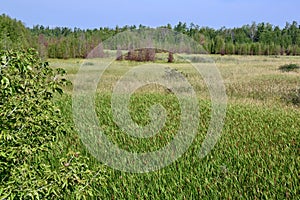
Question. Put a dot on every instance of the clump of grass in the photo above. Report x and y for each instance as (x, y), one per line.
(88, 64)
(289, 67)
(293, 97)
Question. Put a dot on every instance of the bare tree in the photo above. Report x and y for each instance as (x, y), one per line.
(119, 54)
(171, 57)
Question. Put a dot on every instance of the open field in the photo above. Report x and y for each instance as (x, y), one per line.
(248, 79)
(257, 155)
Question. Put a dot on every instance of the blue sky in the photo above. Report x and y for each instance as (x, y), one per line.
(97, 13)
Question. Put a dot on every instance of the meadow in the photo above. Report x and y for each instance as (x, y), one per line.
(257, 156)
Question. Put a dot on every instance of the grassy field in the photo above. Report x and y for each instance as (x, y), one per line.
(257, 156)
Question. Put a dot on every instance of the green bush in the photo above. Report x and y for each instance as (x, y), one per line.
(289, 67)
(30, 126)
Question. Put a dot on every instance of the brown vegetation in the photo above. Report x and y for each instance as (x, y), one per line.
(143, 55)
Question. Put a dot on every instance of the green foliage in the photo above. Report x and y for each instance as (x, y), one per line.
(254, 39)
(289, 67)
(64, 43)
(13, 34)
(30, 125)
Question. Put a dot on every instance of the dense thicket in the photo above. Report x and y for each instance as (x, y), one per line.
(253, 39)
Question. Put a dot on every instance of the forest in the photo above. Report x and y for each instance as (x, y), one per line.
(62, 42)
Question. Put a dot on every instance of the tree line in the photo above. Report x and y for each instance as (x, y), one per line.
(62, 42)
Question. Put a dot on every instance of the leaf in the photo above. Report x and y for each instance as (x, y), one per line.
(59, 90)
(5, 82)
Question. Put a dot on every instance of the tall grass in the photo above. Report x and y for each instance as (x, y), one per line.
(257, 156)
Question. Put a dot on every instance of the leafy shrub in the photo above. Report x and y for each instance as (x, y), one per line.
(289, 67)
(28, 118)
(29, 128)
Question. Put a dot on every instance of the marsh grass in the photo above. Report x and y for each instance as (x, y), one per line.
(257, 156)
(248, 79)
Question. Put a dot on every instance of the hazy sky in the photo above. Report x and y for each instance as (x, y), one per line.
(97, 13)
